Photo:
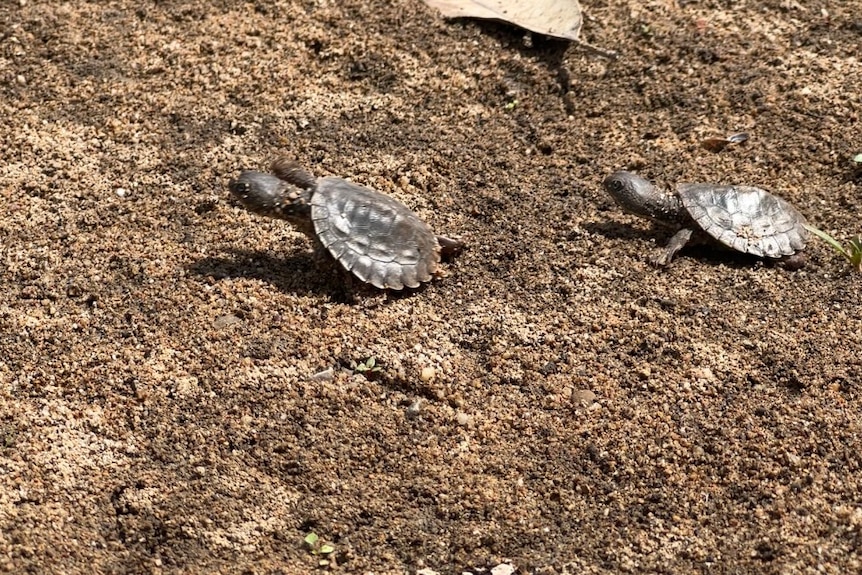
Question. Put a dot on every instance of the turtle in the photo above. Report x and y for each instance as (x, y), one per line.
(743, 218)
(371, 235)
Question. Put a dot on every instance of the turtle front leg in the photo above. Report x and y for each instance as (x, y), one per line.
(676, 243)
(346, 288)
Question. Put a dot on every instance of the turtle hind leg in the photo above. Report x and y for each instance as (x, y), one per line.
(676, 243)
(795, 262)
(449, 247)
(290, 171)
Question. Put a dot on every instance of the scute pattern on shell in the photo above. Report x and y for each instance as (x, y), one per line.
(746, 219)
(373, 236)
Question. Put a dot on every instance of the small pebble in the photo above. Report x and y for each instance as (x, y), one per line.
(583, 397)
(121, 192)
(792, 459)
(225, 320)
(463, 418)
(427, 374)
(548, 369)
(325, 375)
(415, 408)
(703, 374)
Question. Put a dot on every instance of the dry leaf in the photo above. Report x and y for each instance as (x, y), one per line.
(718, 144)
(558, 18)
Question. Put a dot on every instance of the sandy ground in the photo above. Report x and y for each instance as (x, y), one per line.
(162, 406)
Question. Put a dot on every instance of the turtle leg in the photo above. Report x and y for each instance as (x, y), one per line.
(290, 171)
(449, 248)
(345, 287)
(676, 243)
(337, 275)
(795, 262)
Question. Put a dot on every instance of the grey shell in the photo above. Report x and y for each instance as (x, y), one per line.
(378, 239)
(746, 219)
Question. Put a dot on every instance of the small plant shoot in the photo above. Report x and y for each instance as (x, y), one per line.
(368, 368)
(852, 253)
(319, 548)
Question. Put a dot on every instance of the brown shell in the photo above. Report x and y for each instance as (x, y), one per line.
(378, 239)
(746, 219)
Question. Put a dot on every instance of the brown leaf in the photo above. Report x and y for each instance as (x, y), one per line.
(558, 18)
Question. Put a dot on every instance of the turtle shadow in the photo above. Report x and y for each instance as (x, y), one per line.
(703, 251)
(715, 255)
(617, 231)
(296, 273)
(300, 274)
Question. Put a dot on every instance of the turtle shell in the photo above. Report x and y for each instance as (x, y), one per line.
(375, 237)
(746, 219)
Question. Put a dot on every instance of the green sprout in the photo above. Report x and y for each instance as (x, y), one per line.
(857, 159)
(852, 254)
(319, 548)
(511, 105)
(368, 368)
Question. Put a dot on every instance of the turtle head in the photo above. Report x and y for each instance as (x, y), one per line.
(640, 197)
(267, 195)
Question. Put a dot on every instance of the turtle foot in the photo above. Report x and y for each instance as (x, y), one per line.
(676, 243)
(661, 259)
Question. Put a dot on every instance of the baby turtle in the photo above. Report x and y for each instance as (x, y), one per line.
(376, 238)
(742, 218)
